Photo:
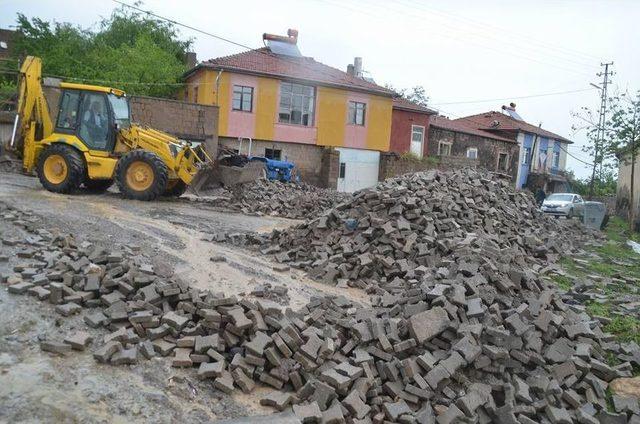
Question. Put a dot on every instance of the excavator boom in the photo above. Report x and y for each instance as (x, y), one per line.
(34, 119)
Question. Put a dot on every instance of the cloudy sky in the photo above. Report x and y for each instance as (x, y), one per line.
(471, 56)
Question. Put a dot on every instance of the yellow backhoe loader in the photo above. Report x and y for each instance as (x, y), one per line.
(92, 143)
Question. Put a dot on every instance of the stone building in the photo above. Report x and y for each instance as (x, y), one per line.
(459, 138)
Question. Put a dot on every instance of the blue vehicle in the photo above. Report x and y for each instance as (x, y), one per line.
(275, 170)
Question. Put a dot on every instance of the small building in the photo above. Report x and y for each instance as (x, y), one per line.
(332, 124)
(623, 191)
(460, 140)
(410, 127)
(542, 155)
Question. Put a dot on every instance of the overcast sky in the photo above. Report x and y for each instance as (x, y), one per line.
(464, 52)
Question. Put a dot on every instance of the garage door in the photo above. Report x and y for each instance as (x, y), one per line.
(358, 169)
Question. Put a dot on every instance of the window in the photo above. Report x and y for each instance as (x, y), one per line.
(472, 153)
(555, 163)
(68, 113)
(527, 156)
(444, 149)
(94, 121)
(417, 140)
(120, 106)
(343, 170)
(503, 161)
(274, 154)
(296, 104)
(195, 95)
(357, 111)
(242, 98)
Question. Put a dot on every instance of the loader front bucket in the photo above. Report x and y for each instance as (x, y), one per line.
(203, 177)
(227, 175)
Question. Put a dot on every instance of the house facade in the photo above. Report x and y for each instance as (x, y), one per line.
(295, 108)
(542, 154)
(410, 128)
(624, 201)
(459, 139)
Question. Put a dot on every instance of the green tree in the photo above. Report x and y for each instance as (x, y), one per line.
(130, 50)
(600, 150)
(417, 94)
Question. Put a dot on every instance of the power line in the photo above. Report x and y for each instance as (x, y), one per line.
(227, 40)
(450, 35)
(510, 33)
(516, 97)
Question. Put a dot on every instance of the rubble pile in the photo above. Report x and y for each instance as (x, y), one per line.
(479, 339)
(429, 224)
(275, 198)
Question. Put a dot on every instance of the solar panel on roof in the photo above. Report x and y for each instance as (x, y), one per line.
(286, 49)
(514, 114)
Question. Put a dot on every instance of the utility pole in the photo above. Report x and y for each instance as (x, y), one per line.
(602, 119)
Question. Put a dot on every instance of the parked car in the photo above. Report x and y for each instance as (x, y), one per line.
(563, 204)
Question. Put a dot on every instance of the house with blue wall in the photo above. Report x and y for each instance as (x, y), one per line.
(543, 154)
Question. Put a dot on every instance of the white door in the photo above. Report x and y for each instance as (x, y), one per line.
(358, 169)
(417, 140)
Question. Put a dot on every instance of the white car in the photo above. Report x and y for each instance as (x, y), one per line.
(563, 204)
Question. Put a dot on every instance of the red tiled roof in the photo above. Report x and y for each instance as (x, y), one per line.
(264, 62)
(464, 126)
(404, 104)
(486, 120)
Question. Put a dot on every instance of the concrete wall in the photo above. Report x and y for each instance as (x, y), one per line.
(307, 158)
(488, 149)
(623, 197)
(189, 121)
(401, 127)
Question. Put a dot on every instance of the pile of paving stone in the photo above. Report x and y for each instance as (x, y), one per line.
(461, 327)
(420, 224)
(276, 198)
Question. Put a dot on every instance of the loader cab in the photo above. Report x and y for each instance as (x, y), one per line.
(93, 114)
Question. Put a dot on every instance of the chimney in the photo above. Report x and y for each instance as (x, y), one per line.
(357, 67)
(290, 38)
(192, 60)
(350, 69)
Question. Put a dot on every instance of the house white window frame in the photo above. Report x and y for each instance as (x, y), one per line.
(555, 160)
(472, 149)
(506, 162)
(421, 131)
(291, 93)
(444, 143)
(356, 113)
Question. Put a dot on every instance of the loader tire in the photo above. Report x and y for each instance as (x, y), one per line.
(141, 175)
(97, 186)
(175, 188)
(60, 168)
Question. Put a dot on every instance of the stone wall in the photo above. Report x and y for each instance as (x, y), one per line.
(6, 128)
(306, 157)
(488, 149)
(189, 121)
(392, 164)
(330, 168)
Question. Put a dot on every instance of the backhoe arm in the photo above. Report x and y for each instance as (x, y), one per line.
(33, 112)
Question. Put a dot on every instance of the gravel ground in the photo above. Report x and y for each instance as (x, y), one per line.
(38, 387)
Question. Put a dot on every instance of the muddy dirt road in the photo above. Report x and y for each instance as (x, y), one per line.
(38, 387)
